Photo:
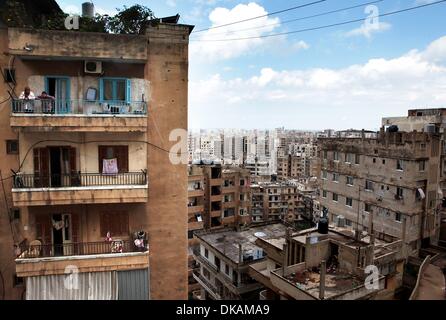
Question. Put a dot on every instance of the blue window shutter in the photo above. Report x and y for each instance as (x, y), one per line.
(128, 93)
(46, 85)
(101, 90)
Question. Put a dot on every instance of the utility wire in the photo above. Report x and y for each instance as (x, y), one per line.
(324, 26)
(300, 19)
(262, 16)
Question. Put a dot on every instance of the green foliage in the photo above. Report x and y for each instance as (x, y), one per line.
(131, 20)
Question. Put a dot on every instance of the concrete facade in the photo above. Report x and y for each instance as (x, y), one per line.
(156, 68)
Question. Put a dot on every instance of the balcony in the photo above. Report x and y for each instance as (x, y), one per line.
(50, 259)
(79, 188)
(205, 284)
(195, 192)
(78, 116)
(195, 209)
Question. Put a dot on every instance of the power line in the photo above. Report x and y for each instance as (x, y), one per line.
(324, 26)
(300, 19)
(262, 16)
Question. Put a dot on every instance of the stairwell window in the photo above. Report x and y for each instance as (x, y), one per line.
(349, 202)
(369, 185)
(398, 216)
(350, 180)
(422, 165)
(335, 177)
(335, 197)
(400, 165)
(399, 193)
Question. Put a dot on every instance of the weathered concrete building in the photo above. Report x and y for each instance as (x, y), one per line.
(224, 258)
(309, 265)
(93, 161)
(276, 201)
(388, 186)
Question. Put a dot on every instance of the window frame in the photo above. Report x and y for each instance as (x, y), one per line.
(128, 89)
(10, 142)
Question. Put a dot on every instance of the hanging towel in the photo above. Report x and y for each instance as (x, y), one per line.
(110, 166)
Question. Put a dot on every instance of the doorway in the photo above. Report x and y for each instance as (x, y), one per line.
(55, 167)
(62, 234)
(59, 87)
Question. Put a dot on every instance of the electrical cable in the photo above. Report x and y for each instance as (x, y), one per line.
(262, 16)
(301, 18)
(324, 26)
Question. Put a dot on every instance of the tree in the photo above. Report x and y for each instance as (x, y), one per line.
(131, 20)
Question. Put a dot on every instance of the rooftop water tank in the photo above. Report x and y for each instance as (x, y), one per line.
(88, 9)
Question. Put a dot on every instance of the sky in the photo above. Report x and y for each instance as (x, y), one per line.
(347, 76)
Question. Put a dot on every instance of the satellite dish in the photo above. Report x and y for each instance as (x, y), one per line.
(260, 234)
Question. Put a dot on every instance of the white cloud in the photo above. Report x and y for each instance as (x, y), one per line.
(367, 29)
(212, 51)
(364, 92)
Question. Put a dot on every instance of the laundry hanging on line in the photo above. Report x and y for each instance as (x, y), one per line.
(110, 166)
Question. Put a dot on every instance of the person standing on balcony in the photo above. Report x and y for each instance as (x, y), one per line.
(47, 102)
(28, 98)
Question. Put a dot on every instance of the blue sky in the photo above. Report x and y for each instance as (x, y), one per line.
(343, 77)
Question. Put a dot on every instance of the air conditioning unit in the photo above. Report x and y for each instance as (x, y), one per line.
(93, 67)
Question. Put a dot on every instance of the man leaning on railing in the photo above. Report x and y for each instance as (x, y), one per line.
(27, 97)
(47, 102)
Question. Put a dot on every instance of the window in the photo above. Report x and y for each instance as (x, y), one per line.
(206, 253)
(335, 177)
(422, 165)
(357, 158)
(242, 182)
(422, 146)
(369, 185)
(114, 89)
(348, 222)
(367, 207)
(349, 202)
(227, 269)
(324, 174)
(349, 157)
(121, 153)
(384, 161)
(16, 214)
(18, 281)
(325, 155)
(190, 234)
(12, 146)
(350, 180)
(399, 193)
(9, 75)
(324, 193)
(117, 223)
(398, 216)
(400, 165)
(374, 160)
(335, 197)
(206, 274)
(336, 156)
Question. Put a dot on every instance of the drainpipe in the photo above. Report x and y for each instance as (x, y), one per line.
(322, 280)
(240, 253)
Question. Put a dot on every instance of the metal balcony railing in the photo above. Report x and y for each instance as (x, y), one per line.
(25, 181)
(78, 107)
(79, 249)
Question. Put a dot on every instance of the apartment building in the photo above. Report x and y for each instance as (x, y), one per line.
(389, 183)
(291, 167)
(326, 264)
(427, 120)
(95, 191)
(219, 196)
(275, 201)
(224, 258)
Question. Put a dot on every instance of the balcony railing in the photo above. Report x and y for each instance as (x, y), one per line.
(80, 249)
(78, 107)
(25, 181)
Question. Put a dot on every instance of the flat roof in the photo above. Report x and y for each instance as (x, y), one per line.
(227, 242)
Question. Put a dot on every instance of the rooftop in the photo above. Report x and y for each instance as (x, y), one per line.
(227, 242)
